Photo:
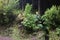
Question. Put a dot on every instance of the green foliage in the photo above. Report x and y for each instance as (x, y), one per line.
(6, 11)
(53, 36)
(15, 33)
(52, 18)
(27, 10)
(58, 31)
(16, 11)
(8, 4)
(30, 20)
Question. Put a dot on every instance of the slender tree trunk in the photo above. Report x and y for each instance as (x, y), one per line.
(32, 6)
(39, 6)
(22, 5)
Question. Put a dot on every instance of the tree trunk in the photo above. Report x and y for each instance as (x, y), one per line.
(23, 4)
(39, 6)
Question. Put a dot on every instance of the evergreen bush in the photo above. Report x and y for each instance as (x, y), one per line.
(52, 18)
(30, 20)
(6, 11)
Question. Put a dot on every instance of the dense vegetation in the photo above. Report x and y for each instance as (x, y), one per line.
(51, 17)
(7, 9)
(31, 22)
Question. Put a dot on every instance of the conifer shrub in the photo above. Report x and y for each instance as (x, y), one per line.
(6, 11)
(29, 21)
(51, 18)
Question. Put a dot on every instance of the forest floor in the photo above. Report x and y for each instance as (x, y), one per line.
(5, 38)
(5, 34)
